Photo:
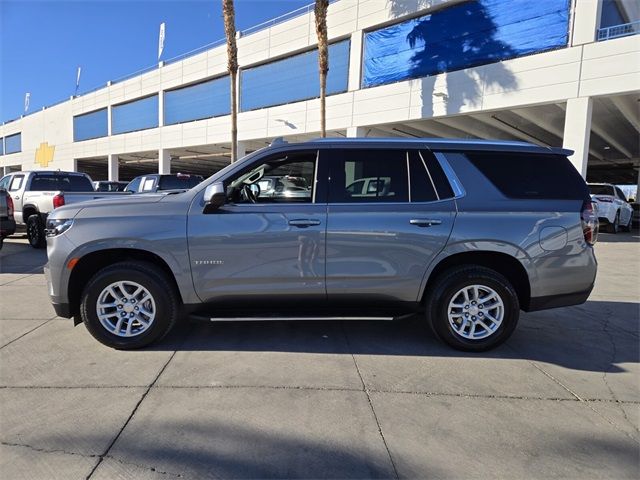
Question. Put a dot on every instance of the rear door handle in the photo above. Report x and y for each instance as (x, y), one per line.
(304, 222)
(424, 222)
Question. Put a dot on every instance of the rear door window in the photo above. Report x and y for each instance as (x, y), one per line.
(16, 183)
(533, 176)
(366, 176)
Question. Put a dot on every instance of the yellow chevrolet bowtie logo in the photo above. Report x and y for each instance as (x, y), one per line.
(44, 154)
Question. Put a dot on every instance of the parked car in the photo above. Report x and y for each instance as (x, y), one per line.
(7, 222)
(109, 186)
(467, 234)
(36, 193)
(370, 187)
(162, 182)
(614, 210)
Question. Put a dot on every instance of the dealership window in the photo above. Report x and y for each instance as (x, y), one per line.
(137, 115)
(90, 125)
(463, 36)
(1, 146)
(195, 102)
(13, 143)
(293, 79)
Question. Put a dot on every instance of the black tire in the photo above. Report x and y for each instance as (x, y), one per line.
(448, 284)
(151, 278)
(627, 227)
(615, 226)
(35, 231)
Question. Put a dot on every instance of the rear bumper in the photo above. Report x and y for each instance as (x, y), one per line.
(7, 227)
(555, 301)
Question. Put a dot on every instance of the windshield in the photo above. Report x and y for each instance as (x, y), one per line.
(601, 190)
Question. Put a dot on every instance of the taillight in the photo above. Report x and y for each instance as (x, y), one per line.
(58, 200)
(589, 222)
(9, 206)
(604, 199)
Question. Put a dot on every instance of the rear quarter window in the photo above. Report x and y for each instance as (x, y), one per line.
(532, 176)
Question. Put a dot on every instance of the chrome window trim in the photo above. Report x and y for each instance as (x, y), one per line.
(409, 176)
(424, 164)
(454, 181)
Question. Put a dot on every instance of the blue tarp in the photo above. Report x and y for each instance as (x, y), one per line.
(466, 35)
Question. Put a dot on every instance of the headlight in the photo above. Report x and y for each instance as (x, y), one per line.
(58, 226)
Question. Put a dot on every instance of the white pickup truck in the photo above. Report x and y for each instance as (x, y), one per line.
(36, 193)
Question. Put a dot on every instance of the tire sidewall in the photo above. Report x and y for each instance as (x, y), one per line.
(453, 284)
(164, 308)
(34, 225)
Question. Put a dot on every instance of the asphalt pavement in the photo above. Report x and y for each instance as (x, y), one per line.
(323, 399)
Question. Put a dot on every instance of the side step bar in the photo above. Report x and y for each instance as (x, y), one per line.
(279, 319)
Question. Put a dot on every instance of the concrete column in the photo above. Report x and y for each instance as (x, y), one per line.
(586, 21)
(355, 61)
(353, 132)
(164, 161)
(112, 167)
(242, 149)
(577, 131)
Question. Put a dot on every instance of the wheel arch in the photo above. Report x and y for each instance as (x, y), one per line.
(89, 264)
(507, 265)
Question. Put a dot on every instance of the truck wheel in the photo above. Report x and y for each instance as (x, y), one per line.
(129, 305)
(472, 308)
(35, 231)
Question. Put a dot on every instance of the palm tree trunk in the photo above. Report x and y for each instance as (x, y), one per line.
(320, 11)
(228, 12)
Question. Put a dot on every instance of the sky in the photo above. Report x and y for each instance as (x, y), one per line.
(42, 43)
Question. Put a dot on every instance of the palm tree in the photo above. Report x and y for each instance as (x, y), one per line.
(228, 12)
(320, 11)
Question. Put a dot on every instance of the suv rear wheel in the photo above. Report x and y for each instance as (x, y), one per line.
(472, 308)
(129, 305)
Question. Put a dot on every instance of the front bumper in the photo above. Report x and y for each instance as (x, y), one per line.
(62, 309)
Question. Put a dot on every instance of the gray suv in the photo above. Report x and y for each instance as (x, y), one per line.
(464, 233)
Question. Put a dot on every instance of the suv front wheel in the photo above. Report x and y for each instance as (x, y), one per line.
(129, 305)
(472, 308)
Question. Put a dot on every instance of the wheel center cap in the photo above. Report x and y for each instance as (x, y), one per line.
(128, 308)
(473, 310)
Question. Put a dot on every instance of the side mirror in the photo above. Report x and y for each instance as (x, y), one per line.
(214, 197)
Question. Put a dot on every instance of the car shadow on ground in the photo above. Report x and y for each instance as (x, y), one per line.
(17, 256)
(620, 237)
(597, 336)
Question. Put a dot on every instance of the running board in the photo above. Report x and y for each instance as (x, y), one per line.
(290, 318)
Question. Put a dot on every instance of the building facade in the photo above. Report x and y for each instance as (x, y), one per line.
(558, 73)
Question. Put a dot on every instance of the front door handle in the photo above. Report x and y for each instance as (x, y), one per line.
(304, 222)
(424, 222)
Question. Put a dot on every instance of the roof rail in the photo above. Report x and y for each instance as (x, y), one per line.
(278, 141)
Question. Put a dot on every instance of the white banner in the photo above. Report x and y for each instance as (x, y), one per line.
(27, 97)
(161, 41)
(78, 79)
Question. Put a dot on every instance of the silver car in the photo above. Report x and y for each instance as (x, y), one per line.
(463, 233)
